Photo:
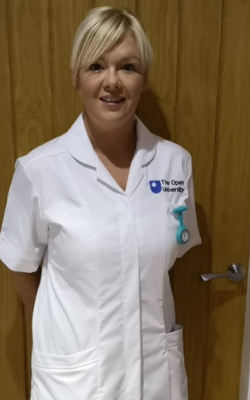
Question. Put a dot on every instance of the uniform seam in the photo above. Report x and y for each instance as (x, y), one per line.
(190, 170)
(123, 309)
(140, 298)
(30, 162)
(42, 217)
(180, 150)
(169, 374)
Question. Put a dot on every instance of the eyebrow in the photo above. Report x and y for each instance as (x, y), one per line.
(125, 59)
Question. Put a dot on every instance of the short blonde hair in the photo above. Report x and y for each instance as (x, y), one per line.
(100, 31)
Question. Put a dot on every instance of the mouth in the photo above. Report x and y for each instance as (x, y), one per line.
(113, 100)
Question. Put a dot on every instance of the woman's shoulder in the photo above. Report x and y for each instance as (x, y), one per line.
(48, 150)
(161, 144)
(169, 146)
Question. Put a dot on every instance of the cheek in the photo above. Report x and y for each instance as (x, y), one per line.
(136, 93)
(136, 87)
(87, 93)
(88, 88)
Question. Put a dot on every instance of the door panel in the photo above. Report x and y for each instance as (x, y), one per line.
(230, 204)
(64, 20)
(196, 110)
(158, 103)
(218, 138)
(12, 352)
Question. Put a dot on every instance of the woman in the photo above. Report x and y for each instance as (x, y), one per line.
(102, 206)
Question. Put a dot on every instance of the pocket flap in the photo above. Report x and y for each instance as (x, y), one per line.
(175, 337)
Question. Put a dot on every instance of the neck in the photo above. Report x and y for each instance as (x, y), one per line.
(116, 142)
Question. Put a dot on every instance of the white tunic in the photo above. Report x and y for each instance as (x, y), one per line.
(104, 320)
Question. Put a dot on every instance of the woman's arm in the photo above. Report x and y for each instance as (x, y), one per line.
(27, 286)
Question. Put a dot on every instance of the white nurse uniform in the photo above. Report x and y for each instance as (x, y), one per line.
(104, 320)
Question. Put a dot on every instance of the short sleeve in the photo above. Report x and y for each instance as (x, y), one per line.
(23, 236)
(189, 216)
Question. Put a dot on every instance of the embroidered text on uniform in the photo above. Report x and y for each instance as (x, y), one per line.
(166, 186)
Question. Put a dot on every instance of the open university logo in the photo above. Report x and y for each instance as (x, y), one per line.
(155, 186)
(164, 185)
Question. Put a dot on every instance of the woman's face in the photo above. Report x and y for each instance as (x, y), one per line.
(111, 88)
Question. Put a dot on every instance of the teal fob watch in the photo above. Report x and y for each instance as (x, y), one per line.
(182, 234)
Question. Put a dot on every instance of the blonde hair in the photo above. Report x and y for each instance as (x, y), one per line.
(100, 31)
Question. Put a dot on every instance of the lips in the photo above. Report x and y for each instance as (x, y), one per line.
(112, 100)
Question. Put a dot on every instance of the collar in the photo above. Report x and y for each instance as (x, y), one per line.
(80, 147)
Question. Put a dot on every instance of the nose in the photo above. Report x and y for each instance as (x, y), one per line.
(111, 80)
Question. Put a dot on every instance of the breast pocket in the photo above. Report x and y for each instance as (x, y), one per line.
(65, 377)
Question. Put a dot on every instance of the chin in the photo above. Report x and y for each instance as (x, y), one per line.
(113, 116)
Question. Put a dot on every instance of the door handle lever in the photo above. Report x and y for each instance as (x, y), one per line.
(235, 273)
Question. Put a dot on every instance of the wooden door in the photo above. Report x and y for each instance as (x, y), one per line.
(199, 97)
(218, 98)
(212, 120)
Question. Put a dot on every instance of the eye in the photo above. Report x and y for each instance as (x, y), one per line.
(129, 67)
(95, 67)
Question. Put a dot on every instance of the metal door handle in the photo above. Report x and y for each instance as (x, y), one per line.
(235, 273)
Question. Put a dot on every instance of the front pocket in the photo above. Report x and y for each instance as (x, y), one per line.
(175, 358)
(56, 377)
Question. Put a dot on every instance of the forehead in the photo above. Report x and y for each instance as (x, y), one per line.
(125, 49)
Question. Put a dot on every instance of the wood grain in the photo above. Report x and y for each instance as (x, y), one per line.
(157, 107)
(121, 4)
(196, 105)
(65, 17)
(12, 360)
(31, 82)
(231, 208)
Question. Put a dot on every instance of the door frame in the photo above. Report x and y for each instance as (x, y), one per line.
(245, 361)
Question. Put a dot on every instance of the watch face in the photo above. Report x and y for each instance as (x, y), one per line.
(185, 236)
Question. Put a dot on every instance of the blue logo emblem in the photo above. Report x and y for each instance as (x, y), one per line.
(155, 186)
